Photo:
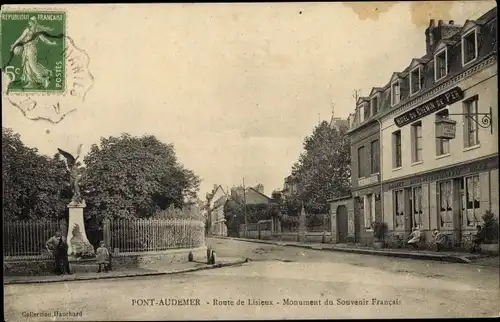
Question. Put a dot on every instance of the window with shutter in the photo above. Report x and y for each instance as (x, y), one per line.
(398, 209)
(395, 92)
(441, 64)
(472, 200)
(445, 206)
(417, 207)
(469, 47)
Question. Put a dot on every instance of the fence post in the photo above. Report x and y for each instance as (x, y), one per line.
(106, 232)
(63, 227)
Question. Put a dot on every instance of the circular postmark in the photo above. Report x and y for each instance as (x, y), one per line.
(44, 73)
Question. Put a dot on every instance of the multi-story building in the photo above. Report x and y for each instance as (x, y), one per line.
(449, 98)
(364, 135)
(290, 187)
(439, 143)
(216, 221)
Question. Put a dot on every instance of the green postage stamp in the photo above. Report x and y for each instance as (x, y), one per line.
(33, 46)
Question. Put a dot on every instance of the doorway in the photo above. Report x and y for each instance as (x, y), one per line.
(342, 226)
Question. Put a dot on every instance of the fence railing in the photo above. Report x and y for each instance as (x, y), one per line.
(138, 235)
(317, 223)
(26, 239)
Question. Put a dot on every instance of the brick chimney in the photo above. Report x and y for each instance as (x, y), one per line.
(443, 30)
(260, 188)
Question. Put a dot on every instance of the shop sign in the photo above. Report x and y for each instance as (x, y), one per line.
(453, 95)
(446, 129)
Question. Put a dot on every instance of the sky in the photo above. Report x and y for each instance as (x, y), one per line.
(235, 87)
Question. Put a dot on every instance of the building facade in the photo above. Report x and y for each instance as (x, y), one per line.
(290, 187)
(435, 181)
(216, 201)
(364, 135)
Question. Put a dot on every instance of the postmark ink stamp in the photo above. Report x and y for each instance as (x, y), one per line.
(44, 73)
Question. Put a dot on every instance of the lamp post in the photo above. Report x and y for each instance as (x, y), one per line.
(245, 208)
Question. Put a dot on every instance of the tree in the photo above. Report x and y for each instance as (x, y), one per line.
(323, 169)
(234, 213)
(35, 186)
(130, 176)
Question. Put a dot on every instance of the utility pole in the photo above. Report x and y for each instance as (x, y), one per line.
(245, 207)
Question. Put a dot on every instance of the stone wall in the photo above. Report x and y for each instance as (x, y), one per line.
(120, 261)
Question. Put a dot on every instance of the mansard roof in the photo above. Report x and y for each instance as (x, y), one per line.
(442, 44)
(362, 99)
(376, 90)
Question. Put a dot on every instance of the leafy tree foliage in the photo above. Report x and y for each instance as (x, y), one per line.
(323, 169)
(130, 176)
(35, 186)
(234, 213)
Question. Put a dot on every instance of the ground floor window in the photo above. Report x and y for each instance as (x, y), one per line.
(369, 211)
(472, 198)
(399, 206)
(417, 216)
(445, 204)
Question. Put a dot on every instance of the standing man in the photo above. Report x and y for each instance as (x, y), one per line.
(58, 247)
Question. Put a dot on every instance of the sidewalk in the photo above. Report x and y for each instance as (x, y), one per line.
(453, 257)
(175, 268)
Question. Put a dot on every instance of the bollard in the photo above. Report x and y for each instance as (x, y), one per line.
(190, 256)
(212, 258)
(209, 253)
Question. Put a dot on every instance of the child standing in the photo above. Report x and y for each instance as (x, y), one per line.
(102, 256)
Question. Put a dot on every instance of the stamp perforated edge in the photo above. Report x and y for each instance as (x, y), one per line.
(18, 8)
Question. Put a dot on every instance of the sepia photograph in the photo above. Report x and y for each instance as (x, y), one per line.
(250, 161)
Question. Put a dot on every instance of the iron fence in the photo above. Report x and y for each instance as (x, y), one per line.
(26, 239)
(139, 235)
(318, 223)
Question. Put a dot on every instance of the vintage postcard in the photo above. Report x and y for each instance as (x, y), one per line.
(222, 161)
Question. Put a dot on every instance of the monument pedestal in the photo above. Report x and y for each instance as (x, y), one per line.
(78, 244)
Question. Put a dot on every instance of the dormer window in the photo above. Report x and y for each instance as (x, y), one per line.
(469, 47)
(395, 93)
(366, 108)
(374, 104)
(415, 80)
(440, 64)
(360, 115)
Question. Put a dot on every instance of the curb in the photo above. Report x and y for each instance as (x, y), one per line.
(87, 278)
(443, 258)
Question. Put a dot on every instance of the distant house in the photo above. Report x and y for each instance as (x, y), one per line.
(290, 187)
(251, 196)
(215, 213)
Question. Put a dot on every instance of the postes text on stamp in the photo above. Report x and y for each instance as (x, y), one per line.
(32, 43)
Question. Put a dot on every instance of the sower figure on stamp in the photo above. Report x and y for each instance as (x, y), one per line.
(33, 72)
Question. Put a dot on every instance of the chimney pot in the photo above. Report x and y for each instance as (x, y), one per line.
(440, 22)
(432, 23)
(452, 22)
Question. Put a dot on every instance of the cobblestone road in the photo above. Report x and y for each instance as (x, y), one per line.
(290, 278)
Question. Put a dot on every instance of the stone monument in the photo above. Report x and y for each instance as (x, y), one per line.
(78, 243)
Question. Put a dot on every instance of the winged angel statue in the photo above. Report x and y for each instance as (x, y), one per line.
(75, 172)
